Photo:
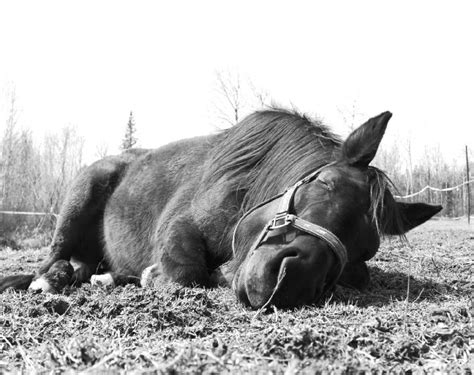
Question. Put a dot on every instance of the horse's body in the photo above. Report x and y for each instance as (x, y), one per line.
(171, 212)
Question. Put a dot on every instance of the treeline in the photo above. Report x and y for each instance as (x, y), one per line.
(432, 170)
(34, 176)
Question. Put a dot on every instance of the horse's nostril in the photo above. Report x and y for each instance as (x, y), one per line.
(283, 257)
(279, 259)
(291, 252)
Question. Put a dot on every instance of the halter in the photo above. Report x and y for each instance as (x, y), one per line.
(283, 223)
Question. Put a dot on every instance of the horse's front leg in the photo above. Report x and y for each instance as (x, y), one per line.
(180, 257)
(151, 275)
(222, 276)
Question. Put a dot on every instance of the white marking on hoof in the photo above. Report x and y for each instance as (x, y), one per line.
(102, 281)
(148, 275)
(41, 284)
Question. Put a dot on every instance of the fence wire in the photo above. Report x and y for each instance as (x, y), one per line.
(428, 187)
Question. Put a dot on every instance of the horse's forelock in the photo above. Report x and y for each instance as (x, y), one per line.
(383, 207)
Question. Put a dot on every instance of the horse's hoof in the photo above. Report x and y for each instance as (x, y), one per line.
(58, 276)
(41, 285)
(102, 281)
(149, 274)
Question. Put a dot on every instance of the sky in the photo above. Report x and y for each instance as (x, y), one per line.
(89, 63)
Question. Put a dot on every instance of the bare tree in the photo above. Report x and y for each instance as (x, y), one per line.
(351, 115)
(61, 159)
(409, 174)
(10, 138)
(101, 150)
(261, 96)
(388, 159)
(231, 97)
(33, 177)
(237, 96)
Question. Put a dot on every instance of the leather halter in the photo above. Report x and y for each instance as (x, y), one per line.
(284, 223)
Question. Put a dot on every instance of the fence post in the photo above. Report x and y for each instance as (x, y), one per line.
(468, 187)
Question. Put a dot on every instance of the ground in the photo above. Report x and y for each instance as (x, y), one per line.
(415, 316)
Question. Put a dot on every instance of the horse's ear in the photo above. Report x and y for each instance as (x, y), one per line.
(360, 147)
(399, 217)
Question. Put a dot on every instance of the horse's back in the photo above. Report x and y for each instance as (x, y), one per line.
(146, 198)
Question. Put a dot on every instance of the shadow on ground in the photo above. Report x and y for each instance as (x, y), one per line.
(388, 286)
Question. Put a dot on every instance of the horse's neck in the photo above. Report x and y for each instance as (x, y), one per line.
(216, 212)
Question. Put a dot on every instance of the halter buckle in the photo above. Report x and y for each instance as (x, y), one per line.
(281, 220)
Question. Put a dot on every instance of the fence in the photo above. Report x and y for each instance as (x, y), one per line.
(455, 200)
(443, 196)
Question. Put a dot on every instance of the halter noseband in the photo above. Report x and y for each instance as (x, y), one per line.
(284, 221)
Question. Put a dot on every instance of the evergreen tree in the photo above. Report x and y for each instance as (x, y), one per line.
(129, 140)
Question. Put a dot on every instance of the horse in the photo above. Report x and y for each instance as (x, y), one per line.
(277, 207)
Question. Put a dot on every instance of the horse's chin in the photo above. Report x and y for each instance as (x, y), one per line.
(283, 277)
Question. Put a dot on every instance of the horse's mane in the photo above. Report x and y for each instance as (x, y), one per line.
(269, 151)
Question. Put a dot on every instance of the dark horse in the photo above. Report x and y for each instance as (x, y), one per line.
(210, 210)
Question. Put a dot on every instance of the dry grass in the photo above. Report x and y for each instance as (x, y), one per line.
(196, 330)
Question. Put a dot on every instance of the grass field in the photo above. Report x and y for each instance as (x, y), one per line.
(416, 315)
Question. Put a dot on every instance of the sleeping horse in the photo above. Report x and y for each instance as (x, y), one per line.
(276, 207)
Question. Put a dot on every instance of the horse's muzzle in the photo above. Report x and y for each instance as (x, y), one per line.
(285, 275)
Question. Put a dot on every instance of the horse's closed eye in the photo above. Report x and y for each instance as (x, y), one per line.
(326, 184)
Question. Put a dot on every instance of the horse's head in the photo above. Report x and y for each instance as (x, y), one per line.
(330, 225)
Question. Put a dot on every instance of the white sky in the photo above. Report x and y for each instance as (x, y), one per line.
(88, 63)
